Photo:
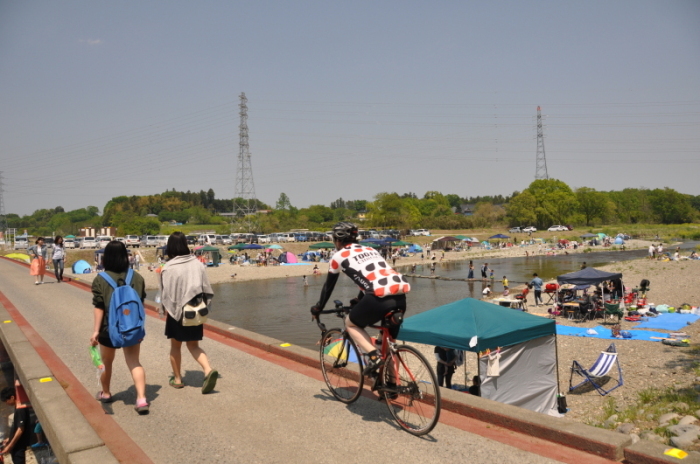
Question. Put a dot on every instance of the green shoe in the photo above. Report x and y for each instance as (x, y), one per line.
(209, 382)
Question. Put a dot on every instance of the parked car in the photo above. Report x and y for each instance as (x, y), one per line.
(287, 238)
(419, 232)
(161, 240)
(263, 239)
(558, 228)
(530, 229)
(68, 243)
(207, 239)
(515, 230)
(132, 241)
(226, 239)
(21, 243)
(88, 242)
(191, 239)
(149, 241)
(101, 241)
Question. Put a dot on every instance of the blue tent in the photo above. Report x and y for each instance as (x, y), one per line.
(79, 267)
(453, 325)
(619, 241)
(415, 248)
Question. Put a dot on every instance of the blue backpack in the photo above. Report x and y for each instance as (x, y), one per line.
(126, 319)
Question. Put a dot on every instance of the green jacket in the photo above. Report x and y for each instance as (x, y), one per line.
(102, 292)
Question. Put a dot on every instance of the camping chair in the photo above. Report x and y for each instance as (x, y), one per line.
(598, 370)
(613, 310)
(585, 310)
(522, 298)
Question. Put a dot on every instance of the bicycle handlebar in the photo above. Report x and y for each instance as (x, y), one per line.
(339, 310)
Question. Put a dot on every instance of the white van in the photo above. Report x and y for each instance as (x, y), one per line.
(88, 242)
(102, 241)
(207, 239)
(21, 243)
(288, 238)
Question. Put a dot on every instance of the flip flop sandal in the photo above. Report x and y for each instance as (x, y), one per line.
(209, 382)
(175, 384)
(103, 399)
(141, 407)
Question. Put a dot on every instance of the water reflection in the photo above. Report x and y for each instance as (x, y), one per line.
(279, 308)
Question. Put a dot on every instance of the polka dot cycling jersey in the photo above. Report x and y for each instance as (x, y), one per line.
(366, 267)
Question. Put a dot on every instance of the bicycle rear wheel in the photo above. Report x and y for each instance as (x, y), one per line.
(341, 365)
(415, 401)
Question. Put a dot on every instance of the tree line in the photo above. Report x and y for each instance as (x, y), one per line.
(542, 204)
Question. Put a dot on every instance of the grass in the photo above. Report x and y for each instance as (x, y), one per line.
(651, 403)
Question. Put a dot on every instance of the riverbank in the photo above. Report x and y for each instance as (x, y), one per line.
(241, 273)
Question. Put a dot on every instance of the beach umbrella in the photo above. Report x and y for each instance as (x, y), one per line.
(320, 245)
(276, 247)
(19, 256)
(373, 240)
(499, 236)
(69, 236)
(252, 246)
(238, 246)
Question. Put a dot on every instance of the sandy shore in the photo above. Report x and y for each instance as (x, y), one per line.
(225, 271)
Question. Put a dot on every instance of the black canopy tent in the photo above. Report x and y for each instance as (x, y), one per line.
(590, 276)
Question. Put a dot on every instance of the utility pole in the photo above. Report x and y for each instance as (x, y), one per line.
(541, 162)
(245, 203)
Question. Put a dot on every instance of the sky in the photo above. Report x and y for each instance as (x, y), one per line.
(345, 99)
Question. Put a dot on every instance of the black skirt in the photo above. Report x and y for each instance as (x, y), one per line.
(175, 329)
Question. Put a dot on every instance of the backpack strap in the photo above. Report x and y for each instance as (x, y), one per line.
(129, 275)
(109, 280)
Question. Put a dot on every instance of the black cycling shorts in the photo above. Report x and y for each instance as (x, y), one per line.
(372, 309)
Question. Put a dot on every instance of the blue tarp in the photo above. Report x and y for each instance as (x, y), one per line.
(671, 321)
(79, 267)
(605, 332)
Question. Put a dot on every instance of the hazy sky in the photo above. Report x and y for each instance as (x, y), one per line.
(346, 99)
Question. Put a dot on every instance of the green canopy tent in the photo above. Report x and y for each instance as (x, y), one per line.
(320, 245)
(528, 375)
(213, 257)
(238, 246)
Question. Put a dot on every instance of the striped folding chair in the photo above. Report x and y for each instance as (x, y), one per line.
(598, 371)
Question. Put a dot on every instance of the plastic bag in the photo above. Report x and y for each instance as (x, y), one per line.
(591, 332)
(97, 359)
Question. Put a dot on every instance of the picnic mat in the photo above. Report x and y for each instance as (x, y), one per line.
(668, 321)
(604, 332)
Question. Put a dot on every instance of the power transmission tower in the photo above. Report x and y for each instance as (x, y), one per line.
(3, 218)
(541, 163)
(245, 202)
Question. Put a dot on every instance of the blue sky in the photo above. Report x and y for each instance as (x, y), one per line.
(347, 99)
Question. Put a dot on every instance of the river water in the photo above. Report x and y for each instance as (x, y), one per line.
(279, 308)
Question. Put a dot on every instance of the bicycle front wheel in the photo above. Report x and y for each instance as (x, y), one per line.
(414, 401)
(341, 365)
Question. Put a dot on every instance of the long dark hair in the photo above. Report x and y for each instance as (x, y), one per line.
(177, 245)
(58, 240)
(116, 257)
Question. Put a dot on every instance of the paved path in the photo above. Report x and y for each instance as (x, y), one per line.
(264, 409)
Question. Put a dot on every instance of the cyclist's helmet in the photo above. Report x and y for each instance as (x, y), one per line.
(345, 232)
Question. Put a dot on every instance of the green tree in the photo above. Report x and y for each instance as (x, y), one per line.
(283, 202)
(671, 207)
(591, 204)
(555, 202)
(520, 211)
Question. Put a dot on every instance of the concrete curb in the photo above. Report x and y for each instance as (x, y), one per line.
(604, 443)
(72, 438)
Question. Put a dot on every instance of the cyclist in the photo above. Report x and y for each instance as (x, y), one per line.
(382, 289)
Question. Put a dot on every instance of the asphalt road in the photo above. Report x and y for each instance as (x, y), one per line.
(261, 411)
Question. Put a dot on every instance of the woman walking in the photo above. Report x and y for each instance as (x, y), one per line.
(38, 266)
(58, 257)
(182, 279)
(116, 264)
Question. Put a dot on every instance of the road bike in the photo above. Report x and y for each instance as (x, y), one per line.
(405, 379)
